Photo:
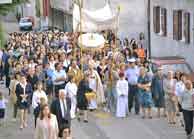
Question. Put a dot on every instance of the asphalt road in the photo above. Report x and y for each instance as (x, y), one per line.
(101, 126)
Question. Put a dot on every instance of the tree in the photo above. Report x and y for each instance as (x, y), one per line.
(4, 10)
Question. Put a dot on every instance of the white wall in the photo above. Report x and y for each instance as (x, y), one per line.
(132, 17)
(166, 46)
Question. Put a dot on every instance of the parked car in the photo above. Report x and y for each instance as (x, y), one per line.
(172, 63)
(25, 24)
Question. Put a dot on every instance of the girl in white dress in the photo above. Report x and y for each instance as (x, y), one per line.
(122, 97)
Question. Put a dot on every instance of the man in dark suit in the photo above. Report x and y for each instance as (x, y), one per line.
(61, 108)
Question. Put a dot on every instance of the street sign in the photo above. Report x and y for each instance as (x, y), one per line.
(5, 1)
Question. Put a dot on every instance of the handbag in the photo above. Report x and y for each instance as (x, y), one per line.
(90, 95)
(13, 96)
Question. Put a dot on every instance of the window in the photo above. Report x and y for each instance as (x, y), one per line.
(181, 26)
(187, 27)
(160, 20)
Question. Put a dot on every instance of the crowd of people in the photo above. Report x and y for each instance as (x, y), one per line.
(49, 72)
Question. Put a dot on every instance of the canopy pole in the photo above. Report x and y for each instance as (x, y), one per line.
(81, 32)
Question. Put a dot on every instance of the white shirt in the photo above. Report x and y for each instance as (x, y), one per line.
(52, 65)
(37, 95)
(66, 63)
(59, 74)
(179, 88)
(71, 89)
(32, 65)
(62, 108)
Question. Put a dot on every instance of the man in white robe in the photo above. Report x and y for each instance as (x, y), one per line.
(71, 92)
(122, 97)
(95, 84)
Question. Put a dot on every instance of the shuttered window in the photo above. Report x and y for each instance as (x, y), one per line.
(164, 21)
(160, 20)
(187, 27)
(181, 26)
(156, 19)
(177, 24)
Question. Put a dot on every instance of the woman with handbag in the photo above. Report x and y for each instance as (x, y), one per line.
(171, 100)
(82, 101)
(13, 97)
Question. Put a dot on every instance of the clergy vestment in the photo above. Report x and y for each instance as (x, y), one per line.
(96, 85)
(76, 73)
(122, 98)
(71, 92)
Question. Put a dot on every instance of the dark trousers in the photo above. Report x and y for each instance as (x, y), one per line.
(57, 88)
(15, 110)
(35, 120)
(7, 81)
(188, 118)
(133, 96)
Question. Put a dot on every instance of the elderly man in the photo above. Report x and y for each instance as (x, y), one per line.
(132, 74)
(61, 108)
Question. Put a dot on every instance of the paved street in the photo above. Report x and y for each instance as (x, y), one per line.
(101, 126)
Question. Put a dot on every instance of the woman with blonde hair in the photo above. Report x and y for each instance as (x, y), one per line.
(111, 78)
(188, 107)
(171, 101)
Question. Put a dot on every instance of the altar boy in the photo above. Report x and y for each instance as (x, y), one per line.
(122, 97)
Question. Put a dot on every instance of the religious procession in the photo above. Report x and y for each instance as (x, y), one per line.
(61, 77)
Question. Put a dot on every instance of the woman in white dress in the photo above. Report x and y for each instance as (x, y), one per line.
(122, 96)
(71, 91)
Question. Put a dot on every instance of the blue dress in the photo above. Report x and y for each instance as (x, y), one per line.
(158, 92)
(145, 96)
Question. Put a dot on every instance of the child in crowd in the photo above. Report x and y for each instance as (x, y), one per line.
(122, 97)
(2, 108)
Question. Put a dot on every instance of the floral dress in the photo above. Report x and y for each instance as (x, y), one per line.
(145, 95)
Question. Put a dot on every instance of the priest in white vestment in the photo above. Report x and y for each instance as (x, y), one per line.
(95, 84)
(122, 97)
(71, 92)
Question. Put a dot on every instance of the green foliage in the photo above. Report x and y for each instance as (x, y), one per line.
(37, 8)
(2, 39)
(5, 8)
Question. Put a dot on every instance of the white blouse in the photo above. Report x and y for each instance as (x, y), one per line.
(37, 95)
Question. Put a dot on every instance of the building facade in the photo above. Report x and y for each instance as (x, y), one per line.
(172, 28)
(61, 14)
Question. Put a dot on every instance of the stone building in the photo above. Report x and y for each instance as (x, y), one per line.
(172, 28)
